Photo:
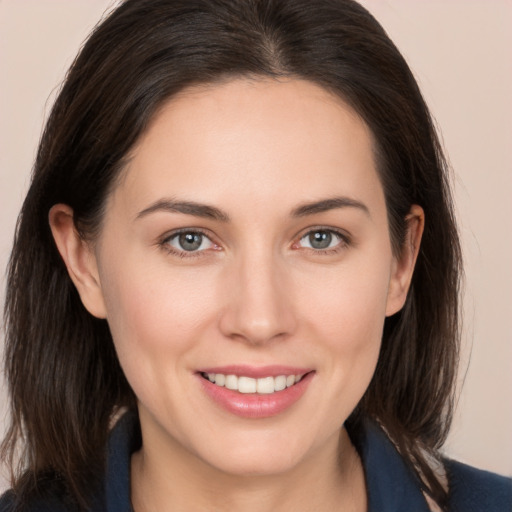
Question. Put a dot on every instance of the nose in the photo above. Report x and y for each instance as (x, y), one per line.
(259, 304)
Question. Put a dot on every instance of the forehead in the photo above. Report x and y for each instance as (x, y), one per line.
(255, 140)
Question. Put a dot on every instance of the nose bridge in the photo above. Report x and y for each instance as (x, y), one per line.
(260, 306)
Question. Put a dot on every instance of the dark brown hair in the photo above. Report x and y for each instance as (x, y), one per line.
(64, 378)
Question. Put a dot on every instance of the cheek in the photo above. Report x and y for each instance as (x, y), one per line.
(156, 316)
(348, 302)
(347, 317)
(352, 327)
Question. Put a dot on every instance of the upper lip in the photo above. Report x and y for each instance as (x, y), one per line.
(256, 372)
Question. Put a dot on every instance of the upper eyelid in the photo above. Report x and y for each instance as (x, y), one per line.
(343, 234)
(175, 232)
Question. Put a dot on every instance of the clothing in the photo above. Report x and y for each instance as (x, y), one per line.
(391, 485)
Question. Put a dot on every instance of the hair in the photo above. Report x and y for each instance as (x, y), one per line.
(65, 381)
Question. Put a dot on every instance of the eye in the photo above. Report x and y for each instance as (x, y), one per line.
(322, 239)
(189, 241)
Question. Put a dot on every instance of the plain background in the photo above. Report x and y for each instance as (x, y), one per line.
(461, 54)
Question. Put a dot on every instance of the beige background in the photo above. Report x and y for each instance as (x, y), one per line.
(461, 54)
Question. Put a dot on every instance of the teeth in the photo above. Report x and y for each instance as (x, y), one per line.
(280, 383)
(246, 385)
(231, 382)
(266, 385)
(219, 379)
(263, 386)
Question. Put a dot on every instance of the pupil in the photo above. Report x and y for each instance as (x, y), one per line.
(190, 241)
(320, 239)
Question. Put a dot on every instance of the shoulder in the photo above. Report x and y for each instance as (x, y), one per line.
(113, 492)
(8, 503)
(51, 496)
(475, 490)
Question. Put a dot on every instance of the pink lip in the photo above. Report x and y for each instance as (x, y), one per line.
(252, 405)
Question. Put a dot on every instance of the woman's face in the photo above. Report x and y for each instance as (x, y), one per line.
(248, 240)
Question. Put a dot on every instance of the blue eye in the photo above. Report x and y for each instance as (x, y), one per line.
(321, 239)
(190, 241)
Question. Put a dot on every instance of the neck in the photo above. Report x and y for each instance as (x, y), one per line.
(332, 479)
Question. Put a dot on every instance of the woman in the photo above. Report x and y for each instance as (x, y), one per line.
(234, 281)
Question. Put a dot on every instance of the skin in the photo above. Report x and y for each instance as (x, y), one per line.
(255, 293)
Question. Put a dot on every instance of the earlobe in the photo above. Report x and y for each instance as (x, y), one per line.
(79, 259)
(403, 266)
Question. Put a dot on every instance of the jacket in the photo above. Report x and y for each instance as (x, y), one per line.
(391, 485)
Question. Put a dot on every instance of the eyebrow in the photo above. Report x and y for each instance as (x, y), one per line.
(186, 207)
(211, 212)
(325, 205)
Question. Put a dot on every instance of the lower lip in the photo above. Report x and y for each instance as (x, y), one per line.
(252, 405)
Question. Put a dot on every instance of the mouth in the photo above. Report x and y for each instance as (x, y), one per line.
(255, 392)
(245, 384)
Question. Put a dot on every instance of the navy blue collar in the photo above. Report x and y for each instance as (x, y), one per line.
(125, 439)
(391, 485)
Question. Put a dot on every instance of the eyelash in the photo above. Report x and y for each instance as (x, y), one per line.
(165, 243)
(343, 242)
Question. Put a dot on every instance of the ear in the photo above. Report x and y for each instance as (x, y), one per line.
(403, 265)
(79, 257)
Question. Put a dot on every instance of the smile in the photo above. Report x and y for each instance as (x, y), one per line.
(255, 392)
(244, 384)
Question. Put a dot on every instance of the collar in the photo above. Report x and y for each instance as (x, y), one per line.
(391, 485)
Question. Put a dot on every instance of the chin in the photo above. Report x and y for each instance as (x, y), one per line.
(252, 466)
(256, 457)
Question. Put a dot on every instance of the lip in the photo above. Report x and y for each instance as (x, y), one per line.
(252, 405)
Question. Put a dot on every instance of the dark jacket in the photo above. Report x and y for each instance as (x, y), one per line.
(391, 485)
